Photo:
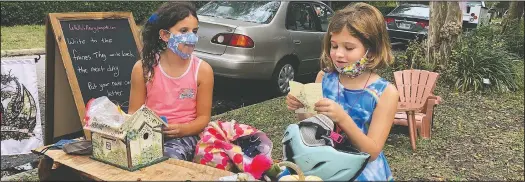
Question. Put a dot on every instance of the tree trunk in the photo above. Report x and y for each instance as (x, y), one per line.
(444, 29)
(514, 15)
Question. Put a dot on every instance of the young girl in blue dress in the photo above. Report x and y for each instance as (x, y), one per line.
(356, 98)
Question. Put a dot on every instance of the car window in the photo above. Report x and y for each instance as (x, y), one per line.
(250, 11)
(411, 11)
(474, 3)
(300, 17)
(323, 14)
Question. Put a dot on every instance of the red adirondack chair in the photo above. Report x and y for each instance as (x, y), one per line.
(416, 101)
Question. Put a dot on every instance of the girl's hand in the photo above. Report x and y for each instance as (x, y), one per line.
(172, 131)
(331, 109)
(292, 103)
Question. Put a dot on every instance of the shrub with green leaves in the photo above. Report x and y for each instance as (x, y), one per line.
(34, 12)
(483, 54)
(519, 73)
(479, 57)
(413, 57)
(514, 38)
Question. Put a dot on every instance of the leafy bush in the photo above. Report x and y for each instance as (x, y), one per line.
(478, 56)
(412, 58)
(514, 38)
(519, 73)
(34, 12)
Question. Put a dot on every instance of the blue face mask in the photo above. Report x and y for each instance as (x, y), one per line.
(188, 39)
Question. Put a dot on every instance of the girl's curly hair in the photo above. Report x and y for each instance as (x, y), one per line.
(168, 14)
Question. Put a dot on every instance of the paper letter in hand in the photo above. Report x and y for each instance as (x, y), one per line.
(307, 94)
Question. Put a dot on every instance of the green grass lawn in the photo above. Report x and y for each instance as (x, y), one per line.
(23, 37)
(474, 138)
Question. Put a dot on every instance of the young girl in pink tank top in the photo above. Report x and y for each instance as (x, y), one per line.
(171, 81)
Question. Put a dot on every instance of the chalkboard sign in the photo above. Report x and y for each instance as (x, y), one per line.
(103, 53)
(98, 51)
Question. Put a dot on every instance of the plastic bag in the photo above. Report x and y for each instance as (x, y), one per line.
(102, 111)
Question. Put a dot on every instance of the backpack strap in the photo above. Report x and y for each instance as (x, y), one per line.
(336, 137)
(321, 133)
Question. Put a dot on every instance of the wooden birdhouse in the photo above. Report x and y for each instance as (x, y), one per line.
(137, 143)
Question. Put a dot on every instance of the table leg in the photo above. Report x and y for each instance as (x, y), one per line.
(44, 168)
(48, 172)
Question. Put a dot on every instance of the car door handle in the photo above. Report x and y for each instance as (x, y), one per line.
(296, 41)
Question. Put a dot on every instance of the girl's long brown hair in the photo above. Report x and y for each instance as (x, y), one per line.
(168, 14)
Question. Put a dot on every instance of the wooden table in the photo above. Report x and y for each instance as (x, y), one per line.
(169, 170)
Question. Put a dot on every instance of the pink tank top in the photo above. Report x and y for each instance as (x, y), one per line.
(174, 98)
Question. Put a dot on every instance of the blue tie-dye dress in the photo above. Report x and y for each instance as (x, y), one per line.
(377, 170)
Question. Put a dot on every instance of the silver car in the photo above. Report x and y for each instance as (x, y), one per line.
(270, 40)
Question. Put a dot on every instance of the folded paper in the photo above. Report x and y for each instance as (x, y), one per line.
(307, 94)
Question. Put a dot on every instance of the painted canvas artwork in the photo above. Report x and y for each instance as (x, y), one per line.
(21, 129)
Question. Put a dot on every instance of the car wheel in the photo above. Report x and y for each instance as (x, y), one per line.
(283, 73)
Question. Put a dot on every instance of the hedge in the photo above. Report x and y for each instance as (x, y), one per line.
(34, 12)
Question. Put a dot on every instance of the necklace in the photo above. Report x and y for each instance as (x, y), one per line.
(338, 129)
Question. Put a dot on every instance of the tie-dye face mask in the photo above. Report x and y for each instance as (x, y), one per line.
(186, 40)
(355, 69)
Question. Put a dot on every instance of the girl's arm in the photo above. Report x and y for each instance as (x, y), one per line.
(318, 79)
(137, 95)
(382, 120)
(205, 81)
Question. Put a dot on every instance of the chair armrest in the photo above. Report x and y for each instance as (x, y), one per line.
(437, 99)
(428, 108)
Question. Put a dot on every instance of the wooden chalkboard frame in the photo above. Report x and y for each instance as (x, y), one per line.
(55, 34)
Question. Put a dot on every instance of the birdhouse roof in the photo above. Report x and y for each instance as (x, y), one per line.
(142, 116)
